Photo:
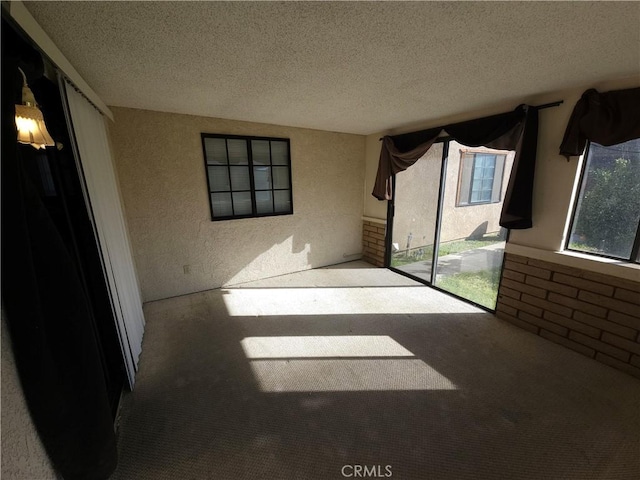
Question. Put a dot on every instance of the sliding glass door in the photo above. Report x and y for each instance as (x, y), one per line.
(445, 216)
(415, 219)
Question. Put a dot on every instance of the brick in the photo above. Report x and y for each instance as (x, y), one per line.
(546, 305)
(509, 292)
(511, 275)
(501, 307)
(612, 362)
(626, 320)
(572, 324)
(516, 258)
(376, 222)
(556, 267)
(560, 330)
(521, 287)
(532, 309)
(603, 324)
(565, 290)
(369, 228)
(627, 296)
(381, 242)
(528, 270)
(600, 346)
(517, 322)
(578, 305)
(589, 352)
(381, 230)
(377, 236)
(620, 342)
(634, 286)
(635, 360)
(610, 303)
(583, 284)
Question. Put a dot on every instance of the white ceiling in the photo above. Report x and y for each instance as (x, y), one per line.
(357, 67)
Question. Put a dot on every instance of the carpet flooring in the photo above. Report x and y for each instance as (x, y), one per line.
(356, 372)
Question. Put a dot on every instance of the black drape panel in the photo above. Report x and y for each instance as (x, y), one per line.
(606, 118)
(517, 208)
(516, 130)
(395, 159)
(47, 311)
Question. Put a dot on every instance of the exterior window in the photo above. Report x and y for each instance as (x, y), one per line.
(247, 176)
(480, 179)
(606, 216)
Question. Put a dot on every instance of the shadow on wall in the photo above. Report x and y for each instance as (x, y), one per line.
(301, 394)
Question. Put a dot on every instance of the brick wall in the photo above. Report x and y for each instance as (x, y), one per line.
(373, 242)
(594, 314)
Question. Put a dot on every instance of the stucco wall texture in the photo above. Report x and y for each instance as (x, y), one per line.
(179, 250)
(23, 456)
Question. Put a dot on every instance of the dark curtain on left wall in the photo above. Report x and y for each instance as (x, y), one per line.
(47, 308)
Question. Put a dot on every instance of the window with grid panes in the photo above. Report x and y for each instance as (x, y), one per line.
(247, 176)
(480, 178)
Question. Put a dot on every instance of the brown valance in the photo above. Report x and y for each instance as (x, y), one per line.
(516, 130)
(606, 118)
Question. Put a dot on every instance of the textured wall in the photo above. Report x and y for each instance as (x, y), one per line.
(417, 190)
(23, 456)
(162, 179)
(461, 222)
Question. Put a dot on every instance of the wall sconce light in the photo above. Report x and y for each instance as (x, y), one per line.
(29, 120)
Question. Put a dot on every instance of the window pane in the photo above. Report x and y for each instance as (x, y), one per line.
(240, 178)
(260, 152)
(279, 153)
(216, 151)
(237, 151)
(221, 204)
(264, 202)
(608, 209)
(282, 199)
(280, 177)
(262, 178)
(242, 203)
(218, 179)
(243, 177)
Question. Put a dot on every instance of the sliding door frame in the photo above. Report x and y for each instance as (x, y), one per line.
(391, 207)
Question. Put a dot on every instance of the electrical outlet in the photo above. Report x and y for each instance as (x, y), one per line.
(186, 269)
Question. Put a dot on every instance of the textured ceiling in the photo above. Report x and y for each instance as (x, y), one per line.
(358, 67)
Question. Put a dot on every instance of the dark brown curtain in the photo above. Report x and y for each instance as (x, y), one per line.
(516, 130)
(399, 153)
(606, 118)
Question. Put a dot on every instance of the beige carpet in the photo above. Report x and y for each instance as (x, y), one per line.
(332, 372)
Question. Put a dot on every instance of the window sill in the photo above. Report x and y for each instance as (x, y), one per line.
(606, 266)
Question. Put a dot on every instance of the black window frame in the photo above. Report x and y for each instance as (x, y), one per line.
(251, 166)
(634, 256)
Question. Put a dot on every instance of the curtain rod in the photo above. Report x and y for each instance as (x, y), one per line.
(538, 107)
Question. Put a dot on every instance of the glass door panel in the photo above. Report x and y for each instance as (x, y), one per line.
(415, 215)
(471, 242)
